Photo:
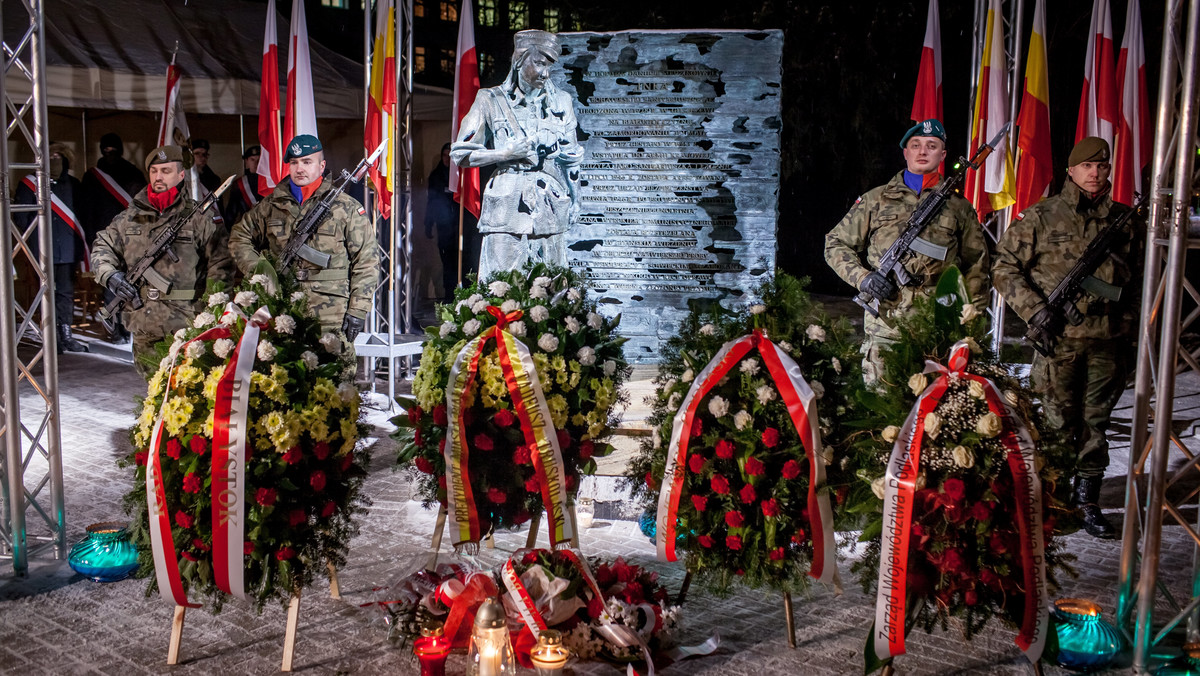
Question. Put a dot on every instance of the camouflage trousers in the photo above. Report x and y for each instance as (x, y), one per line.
(1079, 387)
(878, 336)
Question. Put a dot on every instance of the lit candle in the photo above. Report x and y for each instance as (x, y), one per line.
(549, 656)
(491, 653)
(431, 649)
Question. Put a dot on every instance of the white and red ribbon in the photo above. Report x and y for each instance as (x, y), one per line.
(249, 193)
(898, 506)
(64, 212)
(799, 398)
(110, 184)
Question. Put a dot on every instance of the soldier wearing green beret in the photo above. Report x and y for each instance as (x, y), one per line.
(340, 293)
(1081, 383)
(853, 248)
(201, 246)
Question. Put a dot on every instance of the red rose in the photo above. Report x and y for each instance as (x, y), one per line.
(439, 415)
(733, 542)
(418, 439)
(532, 485)
(595, 607)
(953, 562)
(292, 456)
(571, 481)
(997, 543)
(724, 449)
(285, 553)
(414, 415)
(199, 544)
(504, 418)
(423, 464)
(791, 469)
(184, 520)
(981, 511)
(522, 456)
(198, 444)
(497, 496)
(754, 466)
(317, 481)
(483, 442)
(189, 556)
(564, 439)
(720, 485)
(800, 537)
(705, 541)
(141, 457)
(586, 449)
(697, 427)
(265, 496)
(192, 483)
(748, 495)
(770, 437)
(734, 519)
(841, 494)
(776, 554)
(650, 483)
(971, 597)
(700, 502)
(321, 450)
(296, 517)
(955, 490)
(347, 461)
(990, 578)
(174, 448)
(696, 464)
(247, 548)
(770, 508)
(633, 592)
(329, 509)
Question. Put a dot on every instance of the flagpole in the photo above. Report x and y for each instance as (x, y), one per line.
(460, 230)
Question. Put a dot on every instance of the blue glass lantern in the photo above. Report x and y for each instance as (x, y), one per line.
(1085, 641)
(1187, 665)
(649, 525)
(106, 554)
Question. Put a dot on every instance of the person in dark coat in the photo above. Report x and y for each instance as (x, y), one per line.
(67, 236)
(244, 193)
(441, 214)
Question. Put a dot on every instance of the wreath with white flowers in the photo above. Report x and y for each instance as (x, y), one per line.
(303, 470)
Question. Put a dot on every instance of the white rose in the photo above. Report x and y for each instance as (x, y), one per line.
(263, 281)
(969, 312)
(827, 456)
(574, 295)
(787, 347)
(586, 355)
(331, 342)
(541, 281)
(890, 433)
(285, 324)
(539, 313)
(975, 389)
(610, 367)
(758, 309)
(538, 292)
(219, 298)
(973, 345)
(473, 299)
(266, 351)
(297, 296)
(203, 319)
(310, 359)
(673, 401)
(687, 376)
(741, 419)
(594, 321)
(989, 425)
(163, 363)
(471, 327)
(227, 319)
(707, 330)
(223, 347)
(817, 388)
(815, 332)
(962, 457)
(509, 305)
(246, 298)
(917, 383)
(498, 288)
(479, 307)
(765, 394)
(837, 365)
(879, 487)
(573, 325)
(1012, 398)
(718, 406)
(548, 342)
(195, 350)
(175, 347)
(517, 329)
(749, 366)
(347, 392)
(446, 329)
(933, 424)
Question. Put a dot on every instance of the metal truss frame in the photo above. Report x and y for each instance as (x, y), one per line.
(32, 460)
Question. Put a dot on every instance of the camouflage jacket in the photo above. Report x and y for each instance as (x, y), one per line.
(1042, 244)
(347, 235)
(854, 246)
(203, 252)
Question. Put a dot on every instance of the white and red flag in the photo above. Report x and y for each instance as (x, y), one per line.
(381, 108)
(991, 187)
(270, 164)
(1035, 166)
(927, 100)
(1133, 136)
(464, 183)
(300, 114)
(1098, 102)
(173, 130)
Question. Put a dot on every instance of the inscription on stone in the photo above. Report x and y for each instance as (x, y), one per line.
(680, 173)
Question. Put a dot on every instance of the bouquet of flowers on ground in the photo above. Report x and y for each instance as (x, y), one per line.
(745, 512)
(297, 469)
(578, 361)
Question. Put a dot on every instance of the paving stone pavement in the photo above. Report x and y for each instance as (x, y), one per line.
(56, 622)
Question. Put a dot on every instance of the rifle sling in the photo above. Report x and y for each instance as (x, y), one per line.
(927, 248)
(306, 275)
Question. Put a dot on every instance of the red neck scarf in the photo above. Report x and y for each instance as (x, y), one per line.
(307, 191)
(161, 200)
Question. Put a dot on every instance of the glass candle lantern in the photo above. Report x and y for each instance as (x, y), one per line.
(549, 657)
(1187, 665)
(585, 513)
(431, 650)
(1085, 641)
(105, 554)
(491, 653)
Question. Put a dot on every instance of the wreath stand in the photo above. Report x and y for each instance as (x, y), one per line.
(289, 635)
(788, 615)
(530, 541)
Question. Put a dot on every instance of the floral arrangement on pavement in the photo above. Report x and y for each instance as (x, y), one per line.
(578, 361)
(293, 451)
(745, 512)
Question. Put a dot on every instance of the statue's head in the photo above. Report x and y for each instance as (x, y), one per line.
(534, 54)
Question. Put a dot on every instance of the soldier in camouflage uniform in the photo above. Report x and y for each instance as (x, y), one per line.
(339, 294)
(201, 246)
(879, 217)
(1085, 377)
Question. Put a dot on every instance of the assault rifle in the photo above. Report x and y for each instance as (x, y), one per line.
(1064, 296)
(296, 246)
(892, 261)
(143, 272)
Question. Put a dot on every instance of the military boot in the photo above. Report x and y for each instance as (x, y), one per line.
(1087, 498)
(67, 342)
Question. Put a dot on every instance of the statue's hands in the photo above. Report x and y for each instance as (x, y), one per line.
(523, 150)
(548, 140)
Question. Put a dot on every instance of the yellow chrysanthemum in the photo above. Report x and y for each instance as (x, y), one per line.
(349, 435)
(188, 374)
(558, 410)
(176, 415)
(156, 385)
(210, 384)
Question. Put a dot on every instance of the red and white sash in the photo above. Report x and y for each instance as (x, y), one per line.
(110, 184)
(248, 192)
(64, 212)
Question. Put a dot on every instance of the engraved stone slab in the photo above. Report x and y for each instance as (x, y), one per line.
(680, 182)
